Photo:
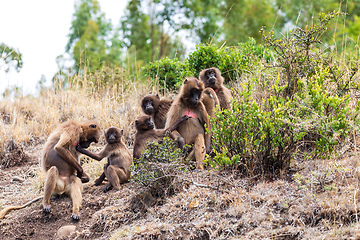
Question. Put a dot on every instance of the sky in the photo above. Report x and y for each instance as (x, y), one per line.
(39, 29)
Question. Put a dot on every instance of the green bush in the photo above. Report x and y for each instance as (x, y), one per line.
(160, 161)
(167, 73)
(251, 138)
(306, 112)
(231, 61)
(262, 138)
(300, 56)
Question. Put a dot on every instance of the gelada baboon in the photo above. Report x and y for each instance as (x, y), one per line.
(210, 101)
(145, 133)
(212, 78)
(193, 130)
(117, 169)
(61, 161)
(156, 108)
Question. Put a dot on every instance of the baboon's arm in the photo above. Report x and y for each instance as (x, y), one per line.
(97, 156)
(62, 148)
(213, 95)
(177, 123)
(206, 120)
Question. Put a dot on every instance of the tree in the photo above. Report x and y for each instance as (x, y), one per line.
(135, 30)
(245, 18)
(304, 12)
(92, 41)
(152, 28)
(149, 32)
(10, 58)
(204, 19)
(40, 86)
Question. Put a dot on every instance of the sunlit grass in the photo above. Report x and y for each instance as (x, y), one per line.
(27, 118)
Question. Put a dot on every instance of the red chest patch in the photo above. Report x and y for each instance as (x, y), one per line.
(216, 89)
(75, 143)
(190, 114)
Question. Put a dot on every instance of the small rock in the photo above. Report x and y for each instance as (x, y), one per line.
(65, 231)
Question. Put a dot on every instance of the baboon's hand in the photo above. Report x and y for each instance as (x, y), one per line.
(208, 150)
(184, 118)
(79, 148)
(85, 178)
(181, 142)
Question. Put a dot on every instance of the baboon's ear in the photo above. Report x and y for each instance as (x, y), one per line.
(122, 132)
(136, 122)
(92, 126)
(157, 95)
(185, 81)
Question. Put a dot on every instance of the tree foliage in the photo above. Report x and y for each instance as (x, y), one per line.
(151, 30)
(147, 28)
(92, 41)
(244, 19)
(10, 58)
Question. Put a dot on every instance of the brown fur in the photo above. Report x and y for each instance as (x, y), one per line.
(156, 108)
(223, 93)
(210, 101)
(193, 130)
(145, 133)
(61, 161)
(117, 169)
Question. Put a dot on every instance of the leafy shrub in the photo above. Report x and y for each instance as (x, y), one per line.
(252, 139)
(160, 161)
(307, 113)
(168, 73)
(231, 61)
(262, 139)
(298, 56)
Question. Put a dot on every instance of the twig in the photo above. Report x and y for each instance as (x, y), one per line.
(205, 186)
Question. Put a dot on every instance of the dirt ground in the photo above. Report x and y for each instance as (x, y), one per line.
(316, 200)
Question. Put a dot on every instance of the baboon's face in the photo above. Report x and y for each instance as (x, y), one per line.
(91, 133)
(144, 123)
(191, 92)
(211, 77)
(195, 94)
(113, 135)
(148, 106)
(150, 103)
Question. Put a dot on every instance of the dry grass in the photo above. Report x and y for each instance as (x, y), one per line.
(28, 120)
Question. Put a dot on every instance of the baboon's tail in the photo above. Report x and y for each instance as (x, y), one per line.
(5, 210)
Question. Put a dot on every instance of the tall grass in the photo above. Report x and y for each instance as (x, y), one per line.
(28, 120)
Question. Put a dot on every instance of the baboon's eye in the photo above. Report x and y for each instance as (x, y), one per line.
(92, 126)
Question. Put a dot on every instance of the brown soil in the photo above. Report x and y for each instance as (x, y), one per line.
(319, 202)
